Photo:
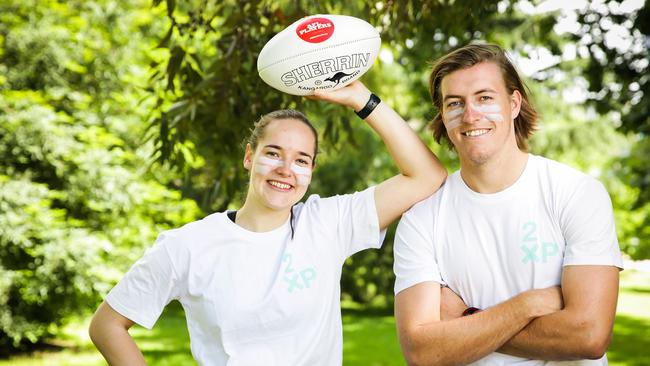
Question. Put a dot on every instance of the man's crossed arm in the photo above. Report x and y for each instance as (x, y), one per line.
(533, 324)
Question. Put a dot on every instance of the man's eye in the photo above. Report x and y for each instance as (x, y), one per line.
(485, 98)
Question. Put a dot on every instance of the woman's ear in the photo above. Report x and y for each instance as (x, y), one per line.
(248, 157)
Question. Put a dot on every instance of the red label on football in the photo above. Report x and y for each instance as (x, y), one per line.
(315, 30)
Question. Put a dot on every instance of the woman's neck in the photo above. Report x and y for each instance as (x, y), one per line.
(260, 219)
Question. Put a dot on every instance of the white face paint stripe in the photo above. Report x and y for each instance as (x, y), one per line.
(491, 112)
(455, 113)
(300, 169)
(264, 165)
(494, 117)
(268, 161)
(303, 174)
(486, 108)
(453, 118)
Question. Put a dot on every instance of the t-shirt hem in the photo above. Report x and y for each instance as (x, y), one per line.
(376, 234)
(594, 260)
(401, 285)
(124, 311)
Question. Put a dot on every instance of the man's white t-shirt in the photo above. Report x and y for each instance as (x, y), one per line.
(255, 298)
(491, 247)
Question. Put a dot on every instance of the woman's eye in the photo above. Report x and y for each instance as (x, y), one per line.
(302, 162)
(272, 154)
(453, 104)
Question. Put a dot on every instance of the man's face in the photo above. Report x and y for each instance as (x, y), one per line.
(478, 113)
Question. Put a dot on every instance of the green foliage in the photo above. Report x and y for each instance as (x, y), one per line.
(612, 58)
(42, 269)
(208, 94)
(76, 205)
(91, 93)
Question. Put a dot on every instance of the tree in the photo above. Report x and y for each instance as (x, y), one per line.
(208, 94)
(76, 205)
(606, 51)
(618, 79)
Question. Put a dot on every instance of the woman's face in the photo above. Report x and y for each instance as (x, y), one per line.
(281, 165)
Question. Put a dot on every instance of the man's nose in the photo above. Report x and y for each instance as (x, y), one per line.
(471, 114)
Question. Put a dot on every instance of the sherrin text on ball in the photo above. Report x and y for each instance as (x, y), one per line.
(324, 52)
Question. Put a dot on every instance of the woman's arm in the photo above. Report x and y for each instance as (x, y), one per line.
(421, 173)
(109, 332)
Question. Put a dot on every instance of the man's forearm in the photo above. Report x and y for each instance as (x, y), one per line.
(556, 337)
(582, 330)
(467, 339)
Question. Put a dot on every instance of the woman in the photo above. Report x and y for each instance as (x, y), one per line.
(261, 285)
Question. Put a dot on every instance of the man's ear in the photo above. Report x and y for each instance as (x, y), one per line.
(515, 104)
(248, 157)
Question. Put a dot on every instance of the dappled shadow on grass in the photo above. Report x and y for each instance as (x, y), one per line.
(367, 312)
(631, 343)
(31, 349)
(640, 290)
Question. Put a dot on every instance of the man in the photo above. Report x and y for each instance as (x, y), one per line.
(527, 243)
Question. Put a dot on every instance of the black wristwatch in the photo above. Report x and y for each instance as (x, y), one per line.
(373, 102)
(470, 310)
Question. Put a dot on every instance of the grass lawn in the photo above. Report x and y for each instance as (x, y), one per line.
(631, 342)
(370, 338)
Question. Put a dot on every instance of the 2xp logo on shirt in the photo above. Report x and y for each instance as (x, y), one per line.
(532, 250)
(297, 279)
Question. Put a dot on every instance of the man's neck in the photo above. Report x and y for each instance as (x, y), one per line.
(260, 219)
(496, 174)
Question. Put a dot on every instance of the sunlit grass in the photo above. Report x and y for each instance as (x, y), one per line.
(631, 343)
(370, 337)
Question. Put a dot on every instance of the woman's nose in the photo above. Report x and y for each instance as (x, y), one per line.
(285, 168)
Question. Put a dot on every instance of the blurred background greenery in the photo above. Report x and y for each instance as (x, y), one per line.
(120, 119)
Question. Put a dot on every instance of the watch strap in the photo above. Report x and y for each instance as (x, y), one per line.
(470, 310)
(370, 106)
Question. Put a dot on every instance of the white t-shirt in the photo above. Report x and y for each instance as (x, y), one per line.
(491, 247)
(255, 298)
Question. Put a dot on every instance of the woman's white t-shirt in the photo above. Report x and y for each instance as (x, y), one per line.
(255, 298)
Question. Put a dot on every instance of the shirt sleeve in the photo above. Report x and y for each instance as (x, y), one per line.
(357, 223)
(149, 285)
(587, 222)
(415, 258)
